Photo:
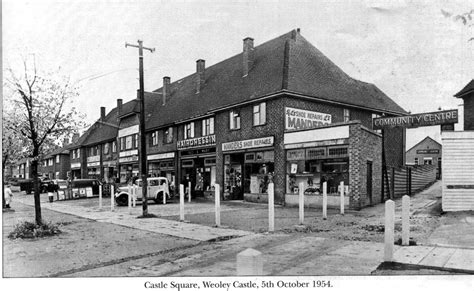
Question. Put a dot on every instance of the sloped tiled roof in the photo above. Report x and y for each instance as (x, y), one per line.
(428, 138)
(298, 68)
(469, 88)
(103, 130)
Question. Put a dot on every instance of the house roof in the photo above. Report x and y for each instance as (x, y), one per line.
(469, 88)
(100, 131)
(288, 62)
(422, 141)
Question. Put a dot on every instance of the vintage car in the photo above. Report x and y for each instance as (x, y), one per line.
(157, 187)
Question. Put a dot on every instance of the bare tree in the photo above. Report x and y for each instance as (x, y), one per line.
(467, 19)
(42, 105)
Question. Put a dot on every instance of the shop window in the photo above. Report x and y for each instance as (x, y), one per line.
(154, 138)
(189, 130)
(187, 163)
(337, 152)
(210, 161)
(347, 115)
(315, 153)
(259, 114)
(250, 157)
(416, 161)
(208, 126)
(234, 118)
(168, 136)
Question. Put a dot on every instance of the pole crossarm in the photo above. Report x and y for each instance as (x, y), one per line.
(140, 45)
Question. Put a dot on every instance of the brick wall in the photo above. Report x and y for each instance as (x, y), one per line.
(364, 146)
(161, 147)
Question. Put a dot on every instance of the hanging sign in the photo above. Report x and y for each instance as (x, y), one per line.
(296, 119)
(417, 120)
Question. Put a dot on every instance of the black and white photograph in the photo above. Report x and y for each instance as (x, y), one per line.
(237, 145)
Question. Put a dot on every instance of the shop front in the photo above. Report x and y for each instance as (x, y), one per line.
(128, 166)
(162, 165)
(76, 170)
(248, 168)
(93, 167)
(197, 162)
(109, 169)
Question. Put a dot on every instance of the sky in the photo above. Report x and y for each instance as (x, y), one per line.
(411, 50)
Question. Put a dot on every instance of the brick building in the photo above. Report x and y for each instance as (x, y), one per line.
(279, 112)
(426, 152)
(56, 164)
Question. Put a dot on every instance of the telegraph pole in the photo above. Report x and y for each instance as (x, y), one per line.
(141, 130)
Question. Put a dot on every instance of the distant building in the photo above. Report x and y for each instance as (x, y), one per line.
(426, 152)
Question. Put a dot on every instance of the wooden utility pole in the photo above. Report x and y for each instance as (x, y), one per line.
(141, 130)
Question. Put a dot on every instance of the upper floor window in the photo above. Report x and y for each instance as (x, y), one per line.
(50, 162)
(128, 142)
(78, 153)
(154, 138)
(347, 115)
(135, 141)
(259, 114)
(106, 148)
(114, 146)
(94, 151)
(234, 118)
(168, 136)
(208, 126)
(73, 154)
(416, 161)
(45, 163)
(189, 130)
(57, 159)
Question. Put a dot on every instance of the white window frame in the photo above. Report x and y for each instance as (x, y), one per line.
(189, 130)
(50, 161)
(154, 138)
(208, 126)
(234, 118)
(260, 114)
(114, 146)
(128, 142)
(78, 153)
(57, 159)
(168, 136)
(106, 148)
(346, 115)
(425, 159)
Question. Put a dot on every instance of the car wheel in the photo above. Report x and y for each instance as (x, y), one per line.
(159, 198)
(122, 200)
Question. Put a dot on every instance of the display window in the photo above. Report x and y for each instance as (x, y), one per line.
(128, 173)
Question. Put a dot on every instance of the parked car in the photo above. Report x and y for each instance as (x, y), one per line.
(26, 185)
(86, 183)
(157, 187)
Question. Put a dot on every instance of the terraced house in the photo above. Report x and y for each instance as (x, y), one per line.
(278, 112)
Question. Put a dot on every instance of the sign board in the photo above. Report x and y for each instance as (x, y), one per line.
(75, 165)
(128, 159)
(417, 120)
(169, 155)
(92, 159)
(298, 119)
(196, 142)
(295, 155)
(428, 151)
(248, 144)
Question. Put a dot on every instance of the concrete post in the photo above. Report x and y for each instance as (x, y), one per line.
(301, 202)
(134, 196)
(249, 263)
(130, 195)
(271, 208)
(342, 196)
(181, 202)
(112, 196)
(164, 198)
(325, 200)
(189, 191)
(405, 220)
(100, 197)
(389, 230)
(218, 204)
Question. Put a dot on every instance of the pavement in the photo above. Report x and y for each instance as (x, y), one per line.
(284, 254)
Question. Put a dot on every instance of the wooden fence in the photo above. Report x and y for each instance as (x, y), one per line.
(410, 179)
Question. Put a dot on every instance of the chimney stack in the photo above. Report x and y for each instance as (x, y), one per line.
(200, 67)
(119, 106)
(247, 56)
(166, 89)
(102, 113)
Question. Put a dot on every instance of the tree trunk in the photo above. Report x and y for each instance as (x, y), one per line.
(34, 172)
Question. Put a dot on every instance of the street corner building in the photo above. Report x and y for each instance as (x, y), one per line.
(280, 112)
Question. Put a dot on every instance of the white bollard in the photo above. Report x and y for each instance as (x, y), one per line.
(271, 208)
(405, 220)
(112, 196)
(100, 197)
(389, 230)
(342, 196)
(181, 202)
(301, 202)
(189, 191)
(134, 196)
(218, 204)
(249, 263)
(130, 195)
(164, 198)
(325, 200)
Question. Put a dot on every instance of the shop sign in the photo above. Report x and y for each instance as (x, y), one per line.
(128, 153)
(161, 156)
(94, 164)
(198, 151)
(248, 144)
(75, 165)
(298, 119)
(128, 131)
(428, 151)
(417, 120)
(128, 159)
(196, 142)
(93, 159)
(295, 155)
